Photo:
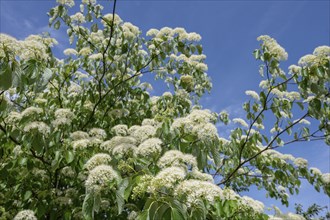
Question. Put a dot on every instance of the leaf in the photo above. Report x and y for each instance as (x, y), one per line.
(5, 77)
(57, 25)
(27, 195)
(120, 195)
(87, 208)
(176, 214)
(69, 156)
(215, 154)
(94, 28)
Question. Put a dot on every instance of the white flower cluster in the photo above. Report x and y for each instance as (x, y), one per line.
(197, 61)
(120, 130)
(177, 32)
(257, 206)
(92, 2)
(107, 19)
(98, 133)
(241, 122)
(129, 30)
(97, 56)
(123, 150)
(149, 148)
(69, 3)
(178, 159)
(151, 122)
(70, 51)
(290, 96)
(34, 46)
(100, 177)
(197, 123)
(319, 55)
(326, 178)
(167, 178)
(85, 51)
(78, 135)
(63, 117)
(142, 133)
(25, 215)
(9, 44)
(253, 94)
(195, 190)
(37, 126)
(273, 47)
(81, 144)
(31, 111)
(115, 141)
(78, 17)
(96, 160)
(300, 162)
(13, 118)
(197, 175)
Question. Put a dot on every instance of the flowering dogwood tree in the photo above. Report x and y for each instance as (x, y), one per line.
(81, 138)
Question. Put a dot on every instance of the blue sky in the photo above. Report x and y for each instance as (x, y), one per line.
(229, 30)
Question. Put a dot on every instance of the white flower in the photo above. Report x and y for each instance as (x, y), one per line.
(326, 178)
(96, 160)
(152, 32)
(25, 215)
(253, 94)
(315, 171)
(264, 84)
(300, 162)
(70, 51)
(78, 17)
(115, 141)
(13, 118)
(78, 135)
(197, 175)
(194, 190)
(85, 51)
(97, 56)
(98, 133)
(150, 147)
(124, 149)
(81, 144)
(177, 158)
(119, 130)
(142, 133)
(257, 206)
(167, 178)
(38, 126)
(194, 37)
(31, 111)
(69, 3)
(273, 47)
(109, 17)
(322, 51)
(100, 177)
(307, 60)
(240, 121)
(294, 69)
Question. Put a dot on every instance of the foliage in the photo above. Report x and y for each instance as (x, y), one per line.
(82, 138)
(311, 211)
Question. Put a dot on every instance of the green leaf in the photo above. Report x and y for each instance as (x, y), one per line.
(69, 156)
(27, 195)
(94, 28)
(5, 76)
(120, 195)
(87, 208)
(57, 25)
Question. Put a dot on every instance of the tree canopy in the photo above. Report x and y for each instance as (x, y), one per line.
(82, 138)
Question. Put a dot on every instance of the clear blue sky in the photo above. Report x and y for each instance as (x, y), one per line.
(229, 30)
